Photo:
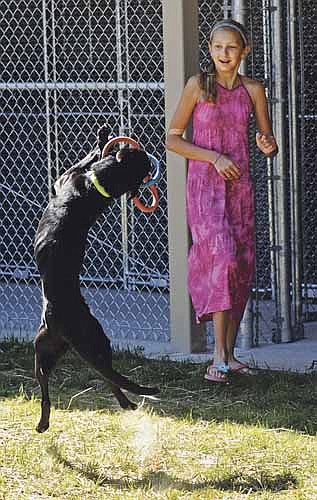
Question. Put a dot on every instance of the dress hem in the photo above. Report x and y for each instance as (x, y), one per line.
(201, 318)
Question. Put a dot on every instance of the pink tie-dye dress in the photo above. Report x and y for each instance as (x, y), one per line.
(221, 213)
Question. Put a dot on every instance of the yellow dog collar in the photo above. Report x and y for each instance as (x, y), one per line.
(98, 186)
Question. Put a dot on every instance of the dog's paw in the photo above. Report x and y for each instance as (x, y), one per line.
(131, 406)
(42, 427)
(128, 405)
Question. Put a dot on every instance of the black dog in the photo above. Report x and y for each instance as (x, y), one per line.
(59, 251)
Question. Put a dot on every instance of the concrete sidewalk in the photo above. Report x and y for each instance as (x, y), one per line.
(299, 356)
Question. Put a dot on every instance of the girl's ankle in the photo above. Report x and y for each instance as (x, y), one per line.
(220, 357)
(231, 357)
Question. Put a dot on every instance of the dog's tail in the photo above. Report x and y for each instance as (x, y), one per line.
(124, 383)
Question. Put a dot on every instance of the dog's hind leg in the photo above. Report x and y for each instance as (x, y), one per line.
(48, 349)
(124, 402)
(88, 339)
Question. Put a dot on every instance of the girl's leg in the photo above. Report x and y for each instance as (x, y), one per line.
(233, 362)
(220, 355)
(231, 337)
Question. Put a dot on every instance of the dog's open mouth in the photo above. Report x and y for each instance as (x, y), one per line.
(155, 177)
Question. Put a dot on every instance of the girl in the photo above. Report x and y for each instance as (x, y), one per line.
(220, 209)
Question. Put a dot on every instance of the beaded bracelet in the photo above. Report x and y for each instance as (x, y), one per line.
(176, 131)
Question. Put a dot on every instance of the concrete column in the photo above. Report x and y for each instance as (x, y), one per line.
(180, 32)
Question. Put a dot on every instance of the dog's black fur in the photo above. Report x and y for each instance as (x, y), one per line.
(59, 252)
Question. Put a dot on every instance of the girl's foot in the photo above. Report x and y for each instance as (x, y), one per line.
(237, 367)
(217, 372)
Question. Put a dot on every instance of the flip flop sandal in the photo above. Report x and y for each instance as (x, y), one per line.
(222, 368)
(244, 369)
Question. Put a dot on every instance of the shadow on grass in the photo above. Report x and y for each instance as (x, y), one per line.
(160, 480)
(270, 399)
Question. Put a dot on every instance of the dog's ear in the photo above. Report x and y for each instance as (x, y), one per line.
(133, 194)
(103, 136)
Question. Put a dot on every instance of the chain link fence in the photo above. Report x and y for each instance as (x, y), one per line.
(307, 42)
(259, 66)
(68, 67)
(264, 305)
(299, 48)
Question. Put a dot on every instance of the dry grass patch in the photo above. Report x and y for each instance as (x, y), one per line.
(255, 439)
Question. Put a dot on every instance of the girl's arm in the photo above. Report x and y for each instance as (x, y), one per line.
(264, 138)
(174, 140)
(176, 143)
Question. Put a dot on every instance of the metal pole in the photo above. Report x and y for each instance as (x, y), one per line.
(47, 104)
(123, 200)
(267, 73)
(272, 209)
(303, 142)
(55, 90)
(132, 256)
(114, 86)
(226, 9)
(295, 178)
(239, 13)
(280, 177)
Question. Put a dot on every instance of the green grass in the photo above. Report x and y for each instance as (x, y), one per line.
(255, 438)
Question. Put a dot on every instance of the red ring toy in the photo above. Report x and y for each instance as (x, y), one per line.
(153, 188)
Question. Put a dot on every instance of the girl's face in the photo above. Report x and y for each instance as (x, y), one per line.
(227, 50)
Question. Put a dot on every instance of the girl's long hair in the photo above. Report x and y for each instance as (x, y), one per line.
(207, 77)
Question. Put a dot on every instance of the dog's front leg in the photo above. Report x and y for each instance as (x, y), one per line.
(80, 167)
(84, 164)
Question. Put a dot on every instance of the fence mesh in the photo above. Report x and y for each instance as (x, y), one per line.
(307, 12)
(259, 66)
(67, 67)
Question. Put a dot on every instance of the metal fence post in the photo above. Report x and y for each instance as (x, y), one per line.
(295, 177)
(267, 45)
(239, 13)
(123, 200)
(226, 9)
(180, 33)
(47, 102)
(280, 176)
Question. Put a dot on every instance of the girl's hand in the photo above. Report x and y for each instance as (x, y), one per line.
(227, 169)
(267, 144)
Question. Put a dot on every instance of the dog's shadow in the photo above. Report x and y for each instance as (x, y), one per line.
(159, 480)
